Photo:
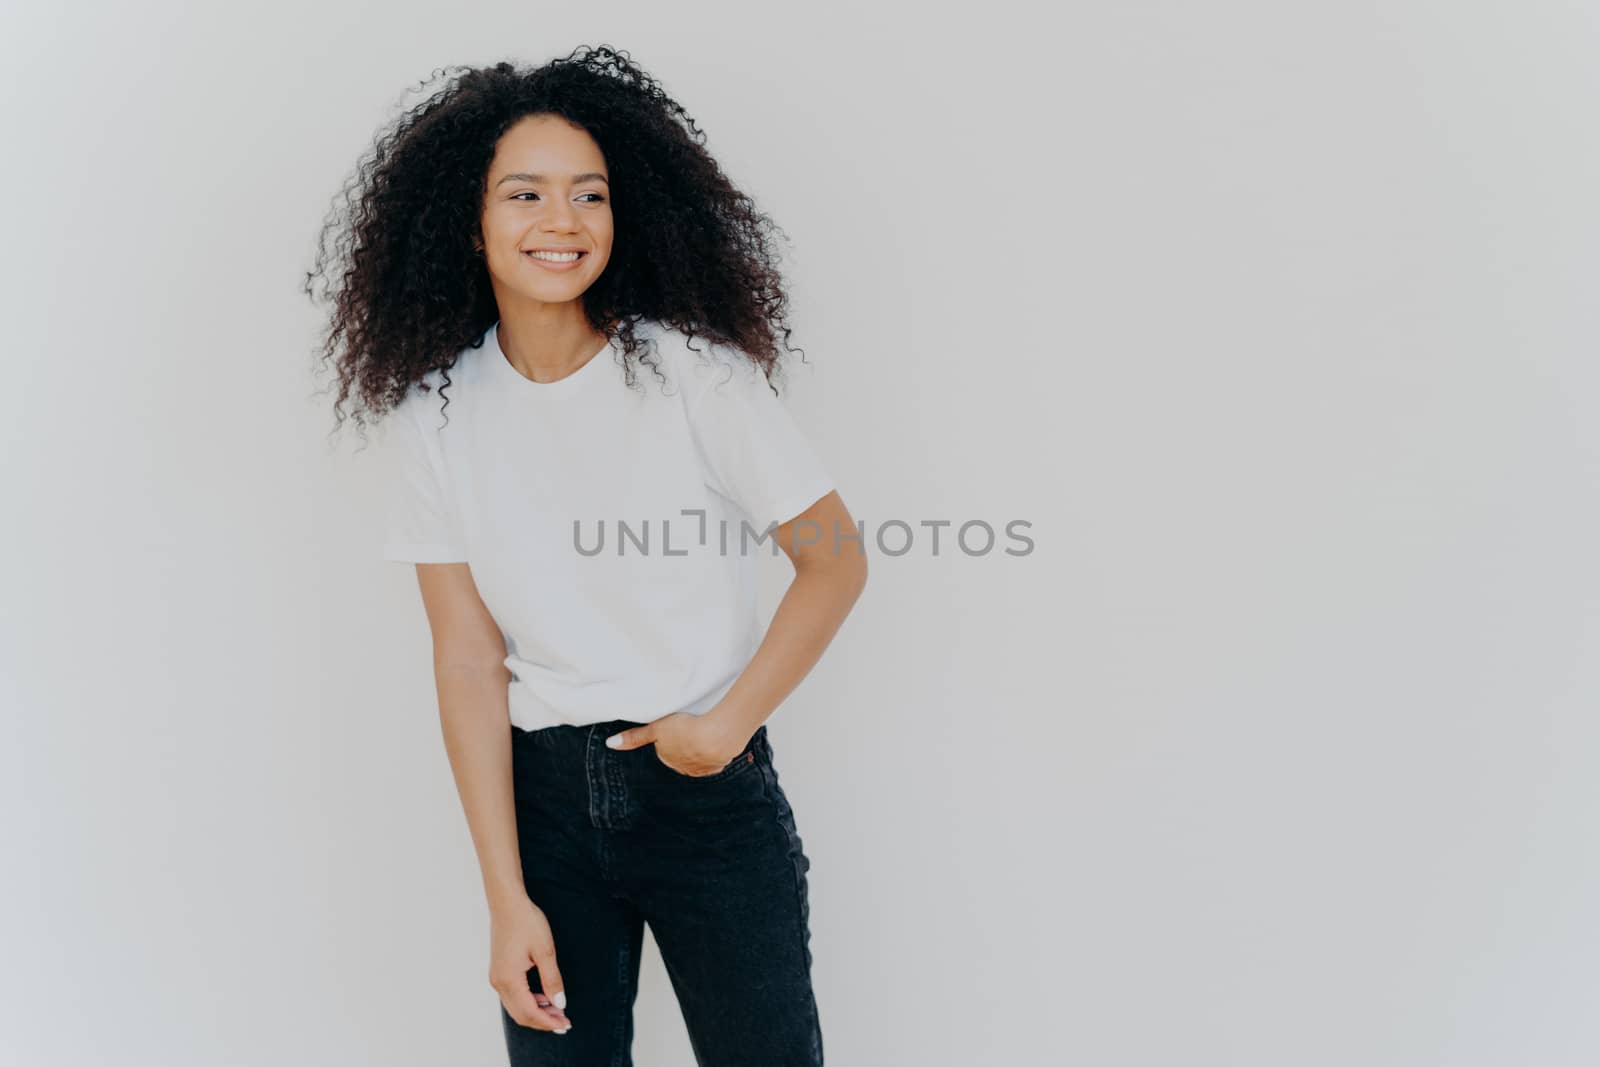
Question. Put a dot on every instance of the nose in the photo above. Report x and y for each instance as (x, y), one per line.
(561, 218)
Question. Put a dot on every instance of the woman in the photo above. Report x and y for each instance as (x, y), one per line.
(585, 544)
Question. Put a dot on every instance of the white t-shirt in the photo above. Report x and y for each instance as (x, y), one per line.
(663, 617)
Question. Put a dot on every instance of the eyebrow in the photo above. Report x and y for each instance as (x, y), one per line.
(539, 179)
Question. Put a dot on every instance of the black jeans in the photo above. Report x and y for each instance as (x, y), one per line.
(613, 840)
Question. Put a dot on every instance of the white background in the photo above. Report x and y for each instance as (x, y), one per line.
(1277, 321)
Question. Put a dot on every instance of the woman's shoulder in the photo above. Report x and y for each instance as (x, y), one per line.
(424, 405)
(697, 360)
(434, 389)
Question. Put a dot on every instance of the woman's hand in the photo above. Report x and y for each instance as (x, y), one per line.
(519, 938)
(696, 745)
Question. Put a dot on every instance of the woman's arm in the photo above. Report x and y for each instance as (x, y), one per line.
(470, 675)
(830, 563)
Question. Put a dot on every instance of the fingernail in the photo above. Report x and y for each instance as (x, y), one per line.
(560, 1000)
(614, 740)
(563, 1031)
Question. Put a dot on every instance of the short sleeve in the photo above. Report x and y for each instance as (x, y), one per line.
(753, 451)
(418, 515)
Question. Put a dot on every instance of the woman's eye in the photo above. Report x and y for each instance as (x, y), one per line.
(597, 197)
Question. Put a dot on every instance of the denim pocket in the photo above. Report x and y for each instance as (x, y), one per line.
(741, 763)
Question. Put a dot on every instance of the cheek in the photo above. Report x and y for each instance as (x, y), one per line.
(494, 230)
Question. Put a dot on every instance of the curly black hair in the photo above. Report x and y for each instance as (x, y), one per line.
(409, 291)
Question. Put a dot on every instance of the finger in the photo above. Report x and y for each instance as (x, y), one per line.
(633, 738)
(554, 1012)
(521, 1004)
(550, 979)
(549, 1006)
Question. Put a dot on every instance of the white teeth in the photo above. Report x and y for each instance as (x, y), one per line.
(556, 257)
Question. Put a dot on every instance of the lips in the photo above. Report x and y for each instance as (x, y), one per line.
(555, 265)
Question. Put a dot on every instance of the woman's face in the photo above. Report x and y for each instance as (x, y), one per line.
(547, 189)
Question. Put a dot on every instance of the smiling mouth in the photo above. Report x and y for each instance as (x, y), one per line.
(571, 256)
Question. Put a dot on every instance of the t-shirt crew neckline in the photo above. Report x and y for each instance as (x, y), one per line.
(559, 387)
